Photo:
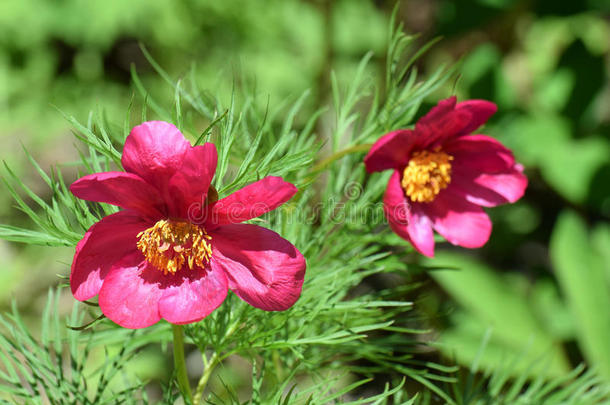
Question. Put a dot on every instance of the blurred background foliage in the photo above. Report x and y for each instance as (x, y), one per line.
(540, 289)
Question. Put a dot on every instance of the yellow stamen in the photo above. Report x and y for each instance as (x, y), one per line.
(168, 245)
(426, 175)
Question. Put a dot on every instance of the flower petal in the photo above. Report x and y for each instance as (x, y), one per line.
(484, 171)
(420, 231)
(509, 185)
(407, 220)
(490, 190)
(441, 123)
(189, 186)
(252, 201)
(395, 204)
(154, 151)
(191, 295)
(439, 111)
(126, 190)
(263, 269)
(479, 153)
(391, 151)
(474, 193)
(460, 222)
(105, 243)
(480, 111)
(130, 294)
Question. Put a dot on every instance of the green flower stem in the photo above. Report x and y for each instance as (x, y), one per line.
(338, 155)
(209, 366)
(180, 363)
(211, 363)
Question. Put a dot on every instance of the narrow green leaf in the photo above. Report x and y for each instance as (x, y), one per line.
(581, 276)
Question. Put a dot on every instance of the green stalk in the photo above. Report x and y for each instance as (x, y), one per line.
(210, 364)
(180, 363)
(338, 155)
(207, 373)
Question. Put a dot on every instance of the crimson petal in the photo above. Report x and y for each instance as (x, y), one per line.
(391, 151)
(154, 151)
(130, 294)
(439, 111)
(479, 153)
(480, 111)
(191, 295)
(126, 190)
(262, 268)
(395, 205)
(442, 122)
(407, 220)
(509, 185)
(435, 134)
(252, 201)
(189, 186)
(461, 222)
(105, 243)
(490, 190)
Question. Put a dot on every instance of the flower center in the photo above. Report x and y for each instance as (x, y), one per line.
(426, 175)
(168, 245)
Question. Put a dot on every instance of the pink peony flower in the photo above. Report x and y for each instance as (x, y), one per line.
(443, 176)
(174, 250)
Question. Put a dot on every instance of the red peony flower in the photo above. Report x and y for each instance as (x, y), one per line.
(174, 251)
(443, 176)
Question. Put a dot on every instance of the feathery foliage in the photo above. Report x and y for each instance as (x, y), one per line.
(63, 366)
